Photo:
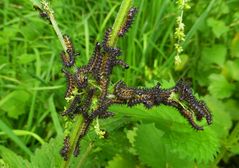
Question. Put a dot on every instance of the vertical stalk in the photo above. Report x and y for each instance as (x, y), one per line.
(73, 139)
(119, 21)
(44, 6)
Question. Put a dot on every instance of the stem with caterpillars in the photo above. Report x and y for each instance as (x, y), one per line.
(120, 19)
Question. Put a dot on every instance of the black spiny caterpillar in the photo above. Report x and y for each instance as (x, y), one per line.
(82, 90)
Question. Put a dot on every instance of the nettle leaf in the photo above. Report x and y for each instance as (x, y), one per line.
(220, 87)
(178, 138)
(215, 54)
(131, 134)
(153, 148)
(149, 144)
(48, 155)
(232, 108)
(199, 146)
(231, 69)
(234, 149)
(234, 47)
(218, 26)
(221, 117)
(11, 159)
(120, 161)
(15, 103)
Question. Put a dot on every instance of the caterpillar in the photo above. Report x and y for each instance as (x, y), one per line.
(96, 58)
(188, 115)
(199, 107)
(95, 62)
(44, 15)
(68, 57)
(122, 92)
(73, 106)
(65, 149)
(106, 39)
(185, 113)
(121, 63)
(104, 89)
(105, 114)
(114, 52)
(100, 110)
(207, 112)
(68, 60)
(70, 83)
(129, 20)
(83, 131)
(69, 45)
(81, 80)
(83, 109)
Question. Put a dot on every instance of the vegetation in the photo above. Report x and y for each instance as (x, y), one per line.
(33, 86)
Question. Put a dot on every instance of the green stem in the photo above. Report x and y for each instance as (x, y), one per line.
(44, 6)
(54, 23)
(73, 139)
(119, 21)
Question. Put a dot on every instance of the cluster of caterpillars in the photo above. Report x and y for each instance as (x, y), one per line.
(81, 92)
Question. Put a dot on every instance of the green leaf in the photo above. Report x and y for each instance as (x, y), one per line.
(231, 69)
(220, 87)
(234, 149)
(131, 134)
(12, 159)
(234, 47)
(149, 144)
(222, 122)
(174, 127)
(26, 58)
(218, 26)
(215, 54)
(232, 108)
(174, 148)
(120, 161)
(49, 154)
(15, 102)
(200, 146)
(154, 150)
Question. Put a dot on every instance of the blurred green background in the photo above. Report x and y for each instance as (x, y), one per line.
(32, 86)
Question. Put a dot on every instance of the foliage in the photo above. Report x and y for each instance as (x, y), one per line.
(32, 85)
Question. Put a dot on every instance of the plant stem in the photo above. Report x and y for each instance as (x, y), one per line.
(73, 139)
(46, 8)
(119, 21)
